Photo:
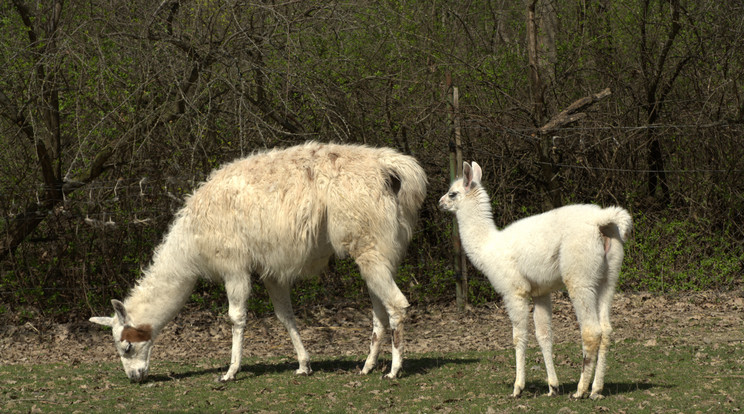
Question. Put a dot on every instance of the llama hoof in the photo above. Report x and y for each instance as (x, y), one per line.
(596, 396)
(304, 372)
(366, 369)
(553, 391)
(577, 395)
(517, 393)
(225, 378)
(390, 376)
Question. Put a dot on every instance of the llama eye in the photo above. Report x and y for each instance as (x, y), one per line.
(453, 194)
(128, 348)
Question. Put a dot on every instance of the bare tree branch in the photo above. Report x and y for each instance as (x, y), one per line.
(572, 113)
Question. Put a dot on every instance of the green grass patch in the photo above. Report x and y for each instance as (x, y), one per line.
(640, 379)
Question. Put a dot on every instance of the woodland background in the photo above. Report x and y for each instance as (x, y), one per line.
(111, 112)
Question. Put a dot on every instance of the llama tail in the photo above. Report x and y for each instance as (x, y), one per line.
(408, 180)
(619, 217)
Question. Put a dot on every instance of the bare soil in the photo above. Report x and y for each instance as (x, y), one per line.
(653, 320)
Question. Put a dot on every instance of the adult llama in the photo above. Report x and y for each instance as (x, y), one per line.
(577, 246)
(280, 215)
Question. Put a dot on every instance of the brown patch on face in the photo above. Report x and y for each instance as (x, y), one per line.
(136, 334)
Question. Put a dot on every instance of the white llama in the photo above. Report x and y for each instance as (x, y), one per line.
(281, 215)
(578, 246)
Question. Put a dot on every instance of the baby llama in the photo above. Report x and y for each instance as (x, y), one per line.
(577, 246)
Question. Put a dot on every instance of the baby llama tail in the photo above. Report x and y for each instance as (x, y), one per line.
(619, 217)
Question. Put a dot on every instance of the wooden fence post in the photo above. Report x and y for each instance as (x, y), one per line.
(455, 149)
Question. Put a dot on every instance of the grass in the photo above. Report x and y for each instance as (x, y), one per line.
(641, 378)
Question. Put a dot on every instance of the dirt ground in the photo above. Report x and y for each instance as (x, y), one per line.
(697, 318)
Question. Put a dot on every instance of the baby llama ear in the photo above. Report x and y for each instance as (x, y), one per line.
(477, 172)
(467, 174)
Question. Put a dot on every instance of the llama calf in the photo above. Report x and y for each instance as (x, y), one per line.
(281, 215)
(579, 247)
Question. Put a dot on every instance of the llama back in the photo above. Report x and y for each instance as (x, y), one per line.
(549, 228)
(316, 194)
(597, 216)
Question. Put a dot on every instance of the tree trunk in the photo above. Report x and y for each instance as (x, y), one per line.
(548, 170)
(659, 83)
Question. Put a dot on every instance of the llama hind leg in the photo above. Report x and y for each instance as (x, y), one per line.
(238, 291)
(606, 293)
(380, 324)
(544, 333)
(585, 305)
(279, 295)
(604, 347)
(377, 272)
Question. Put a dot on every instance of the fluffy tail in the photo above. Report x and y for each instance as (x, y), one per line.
(619, 217)
(409, 181)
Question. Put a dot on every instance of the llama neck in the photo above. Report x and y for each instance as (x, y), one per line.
(477, 229)
(166, 285)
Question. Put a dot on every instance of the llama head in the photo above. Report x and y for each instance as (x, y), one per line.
(132, 342)
(471, 177)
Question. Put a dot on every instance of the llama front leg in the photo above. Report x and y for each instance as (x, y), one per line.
(518, 309)
(544, 333)
(237, 293)
(279, 295)
(380, 324)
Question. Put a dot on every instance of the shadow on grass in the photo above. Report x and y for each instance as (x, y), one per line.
(172, 376)
(411, 366)
(616, 388)
(538, 388)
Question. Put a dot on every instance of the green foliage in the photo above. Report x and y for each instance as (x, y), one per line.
(680, 255)
(210, 296)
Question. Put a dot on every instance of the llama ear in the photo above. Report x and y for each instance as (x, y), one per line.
(477, 172)
(102, 320)
(467, 174)
(121, 311)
